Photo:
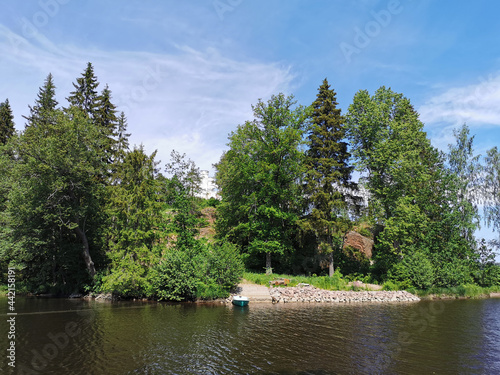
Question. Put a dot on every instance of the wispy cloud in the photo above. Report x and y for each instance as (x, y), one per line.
(475, 104)
(188, 100)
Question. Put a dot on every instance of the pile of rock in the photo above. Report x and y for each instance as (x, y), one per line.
(312, 294)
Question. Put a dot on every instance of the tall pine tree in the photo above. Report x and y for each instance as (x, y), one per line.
(122, 144)
(43, 112)
(328, 184)
(85, 95)
(106, 120)
(6, 122)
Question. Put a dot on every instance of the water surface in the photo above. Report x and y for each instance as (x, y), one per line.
(60, 336)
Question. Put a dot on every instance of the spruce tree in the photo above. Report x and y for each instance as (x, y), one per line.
(122, 144)
(6, 122)
(328, 183)
(85, 95)
(106, 120)
(42, 113)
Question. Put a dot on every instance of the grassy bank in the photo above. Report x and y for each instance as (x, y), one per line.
(337, 282)
(323, 282)
(461, 291)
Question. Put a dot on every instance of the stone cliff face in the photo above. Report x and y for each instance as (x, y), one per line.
(359, 242)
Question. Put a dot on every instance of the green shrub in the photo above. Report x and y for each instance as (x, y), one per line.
(454, 273)
(391, 285)
(488, 275)
(224, 265)
(210, 291)
(176, 277)
(414, 270)
(207, 272)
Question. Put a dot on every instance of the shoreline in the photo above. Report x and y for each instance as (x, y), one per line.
(315, 295)
(308, 294)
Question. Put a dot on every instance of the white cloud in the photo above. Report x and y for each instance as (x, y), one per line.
(188, 100)
(472, 104)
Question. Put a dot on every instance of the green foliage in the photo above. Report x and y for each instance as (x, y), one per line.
(491, 189)
(414, 270)
(56, 200)
(350, 261)
(85, 96)
(42, 113)
(208, 272)
(224, 265)
(327, 173)
(454, 272)
(176, 277)
(336, 282)
(185, 172)
(7, 129)
(78, 207)
(392, 285)
(257, 179)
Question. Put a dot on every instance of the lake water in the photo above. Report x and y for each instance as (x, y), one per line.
(60, 336)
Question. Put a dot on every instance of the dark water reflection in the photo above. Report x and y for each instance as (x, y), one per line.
(57, 336)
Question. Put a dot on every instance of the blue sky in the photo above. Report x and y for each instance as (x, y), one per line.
(186, 73)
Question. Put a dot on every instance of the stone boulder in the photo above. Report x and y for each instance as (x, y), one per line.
(359, 242)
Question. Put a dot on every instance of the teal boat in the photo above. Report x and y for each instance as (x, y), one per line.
(240, 301)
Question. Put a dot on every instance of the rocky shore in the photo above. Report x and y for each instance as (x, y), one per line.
(312, 294)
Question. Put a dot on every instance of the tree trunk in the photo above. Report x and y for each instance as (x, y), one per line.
(330, 266)
(86, 252)
(269, 270)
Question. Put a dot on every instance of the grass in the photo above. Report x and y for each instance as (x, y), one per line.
(323, 282)
(337, 282)
(462, 291)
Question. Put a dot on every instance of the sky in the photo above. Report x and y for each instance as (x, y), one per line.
(186, 73)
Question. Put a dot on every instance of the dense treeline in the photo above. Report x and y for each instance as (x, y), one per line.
(82, 211)
(286, 191)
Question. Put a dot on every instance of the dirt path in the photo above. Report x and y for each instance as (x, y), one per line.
(256, 293)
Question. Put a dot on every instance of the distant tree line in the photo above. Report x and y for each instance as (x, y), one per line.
(82, 211)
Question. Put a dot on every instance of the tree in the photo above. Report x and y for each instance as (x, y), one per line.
(258, 179)
(106, 120)
(422, 205)
(327, 183)
(390, 146)
(465, 168)
(134, 215)
(85, 95)
(122, 145)
(181, 187)
(491, 190)
(7, 129)
(56, 188)
(185, 171)
(42, 113)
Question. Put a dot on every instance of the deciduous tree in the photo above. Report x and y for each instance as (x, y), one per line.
(258, 178)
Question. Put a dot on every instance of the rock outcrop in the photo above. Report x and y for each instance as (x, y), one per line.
(359, 242)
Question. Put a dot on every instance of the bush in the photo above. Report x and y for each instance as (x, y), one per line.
(414, 270)
(391, 285)
(176, 277)
(488, 275)
(453, 273)
(224, 265)
(208, 272)
(210, 291)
